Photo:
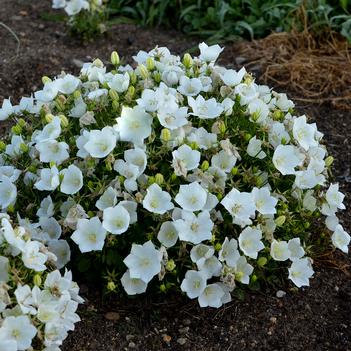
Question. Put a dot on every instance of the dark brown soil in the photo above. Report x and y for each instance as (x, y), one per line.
(317, 318)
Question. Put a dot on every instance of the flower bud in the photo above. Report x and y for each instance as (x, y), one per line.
(205, 165)
(194, 145)
(174, 177)
(24, 147)
(77, 94)
(64, 121)
(133, 77)
(131, 91)
(45, 80)
(143, 71)
(219, 196)
(253, 278)
(22, 122)
(165, 135)
(52, 164)
(17, 129)
(113, 94)
(157, 77)
(187, 60)
(37, 280)
(111, 286)
(280, 220)
(234, 171)
(247, 136)
(222, 127)
(163, 288)
(159, 179)
(115, 105)
(218, 247)
(150, 63)
(170, 266)
(2, 146)
(115, 58)
(262, 261)
(98, 63)
(329, 161)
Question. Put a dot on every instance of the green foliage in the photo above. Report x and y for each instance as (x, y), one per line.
(220, 19)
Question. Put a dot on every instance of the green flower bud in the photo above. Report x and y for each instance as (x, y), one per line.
(17, 129)
(24, 147)
(49, 117)
(2, 146)
(151, 180)
(22, 122)
(253, 278)
(194, 145)
(64, 121)
(174, 177)
(91, 214)
(37, 280)
(131, 91)
(163, 288)
(234, 171)
(187, 60)
(113, 94)
(150, 63)
(133, 77)
(329, 161)
(247, 136)
(218, 247)
(222, 127)
(170, 266)
(77, 94)
(111, 286)
(45, 80)
(32, 168)
(143, 71)
(98, 63)
(280, 220)
(157, 77)
(306, 225)
(159, 179)
(165, 135)
(262, 261)
(205, 165)
(219, 196)
(115, 58)
(115, 105)
(52, 164)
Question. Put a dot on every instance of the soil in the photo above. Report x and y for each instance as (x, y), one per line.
(316, 318)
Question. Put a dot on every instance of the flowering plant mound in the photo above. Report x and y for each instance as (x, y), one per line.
(37, 303)
(175, 172)
(86, 17)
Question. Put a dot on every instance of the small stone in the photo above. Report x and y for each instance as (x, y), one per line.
(181, 341)
(112, 316)
(129, 337)
(166, 338)
(186, 321)
(183, 330)
(273, 320)
(280, 294)
(132, 345)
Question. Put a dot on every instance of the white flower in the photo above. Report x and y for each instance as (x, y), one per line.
(286, 158)
(193, 284)
(254, 148)
(202, 138)
(48, 93)
(8, 345)
(308, 179)
(90, 235)
(25, 299)
(133, 286)
(52, 151)
(187, 156)
(210, 266)
(119, 82)
(134, 125)
(341, 239)
(144, 261)
(6, 110)
(229, 252)
(73, 7)
(231, 77)
(280, 250)
(211, 296)
(205, 109)
(49, 179)
(14, 237)
(79, 109)
(148, 100)
(4, 269)
(72, 180)
(194, 229)
(209, 53)
(250, 242)
(301, 271)
(136, 157)
(331, 222)
(46, 208)
(277, 133)
(189, 86)
(191, 197)
(116, 219)
(334, 197)
(107, 199)
(282, 102)
(224, 161)
(295, 248)
(101, 142)
(264, 201)
(50, 132)
(243, 270)
(14, 149)
(201, 251)
(157, 200)
(168, 234)
(246, 92)
(50, 227)
(240, 205)
(68, 84)
(258, 110)
(8, 192)
(130, 172)
(173, 119)
(61, 250)
(304, 133)
(19, 330)
(131, 207)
